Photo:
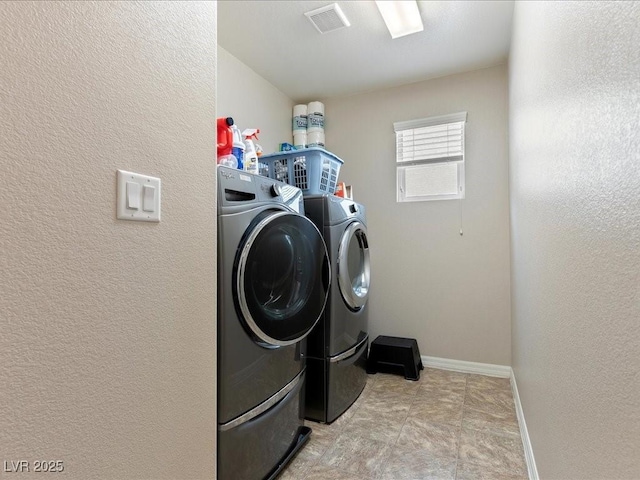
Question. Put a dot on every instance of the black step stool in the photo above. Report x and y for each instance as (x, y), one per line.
(395, 352)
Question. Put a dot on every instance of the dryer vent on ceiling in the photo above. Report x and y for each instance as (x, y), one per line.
(328, 18)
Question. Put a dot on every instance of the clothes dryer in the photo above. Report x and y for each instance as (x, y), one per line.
(273, 281)
(338, 345)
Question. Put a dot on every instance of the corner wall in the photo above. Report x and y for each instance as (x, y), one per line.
(253, 102)
(575, 217)
(450, 292)
(107, 327)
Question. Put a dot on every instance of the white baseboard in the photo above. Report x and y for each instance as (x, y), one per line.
(524, 433)
(503, 371)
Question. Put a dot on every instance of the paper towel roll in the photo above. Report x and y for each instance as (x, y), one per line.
(315, 123)
(315, 117)
(299, 110)
(299, 121)
(300, 139)
(315, 107)
(315, 139)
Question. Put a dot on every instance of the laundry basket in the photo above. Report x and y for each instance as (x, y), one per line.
(313, 170)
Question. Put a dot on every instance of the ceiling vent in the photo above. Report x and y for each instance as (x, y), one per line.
(328, 18)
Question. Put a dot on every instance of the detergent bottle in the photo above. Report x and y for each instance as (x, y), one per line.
(225, 137)
(250, 155)
(238, 146)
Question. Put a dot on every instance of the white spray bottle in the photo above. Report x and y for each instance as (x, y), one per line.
(250, 155)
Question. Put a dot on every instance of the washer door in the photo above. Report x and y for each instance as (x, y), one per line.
(281, 278)
(354, 274)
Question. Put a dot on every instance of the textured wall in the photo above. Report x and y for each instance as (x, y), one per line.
(107, 327)
(449, 292)
(575, 199)
(253, 102)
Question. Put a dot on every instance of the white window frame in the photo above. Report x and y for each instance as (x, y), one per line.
(406, 161)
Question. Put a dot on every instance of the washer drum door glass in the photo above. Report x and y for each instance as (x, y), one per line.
(282, 278)
(354, 274)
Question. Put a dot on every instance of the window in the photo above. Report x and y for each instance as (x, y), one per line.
(430, 158)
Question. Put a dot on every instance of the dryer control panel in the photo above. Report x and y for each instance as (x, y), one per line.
(237, 188)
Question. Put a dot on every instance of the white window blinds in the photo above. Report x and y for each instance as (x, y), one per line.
(431, 139)
(430, 158)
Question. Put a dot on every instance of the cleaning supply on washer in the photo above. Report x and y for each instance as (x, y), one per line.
(238, 146)
(250, 154)
(228, 161)
(225, 136)
(286, 147)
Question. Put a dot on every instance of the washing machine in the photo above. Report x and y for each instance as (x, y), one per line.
(337, 347)
(273, 283)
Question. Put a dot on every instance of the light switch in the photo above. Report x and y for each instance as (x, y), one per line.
(133, 195)
(138, 197)
(149, 198)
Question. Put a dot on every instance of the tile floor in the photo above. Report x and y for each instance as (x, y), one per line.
(447, 425)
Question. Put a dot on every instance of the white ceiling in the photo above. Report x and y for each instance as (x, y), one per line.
(279, 43)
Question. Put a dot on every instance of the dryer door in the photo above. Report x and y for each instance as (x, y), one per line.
(281, 278)
(354, 274)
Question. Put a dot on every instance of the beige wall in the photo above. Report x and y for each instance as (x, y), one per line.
(107, 327)
(253, 102)
(450, 292)
(575, 199)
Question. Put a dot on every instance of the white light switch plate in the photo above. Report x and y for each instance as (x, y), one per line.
(147, 199)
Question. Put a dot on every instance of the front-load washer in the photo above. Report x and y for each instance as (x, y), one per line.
(337, 347)
(273, 281)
